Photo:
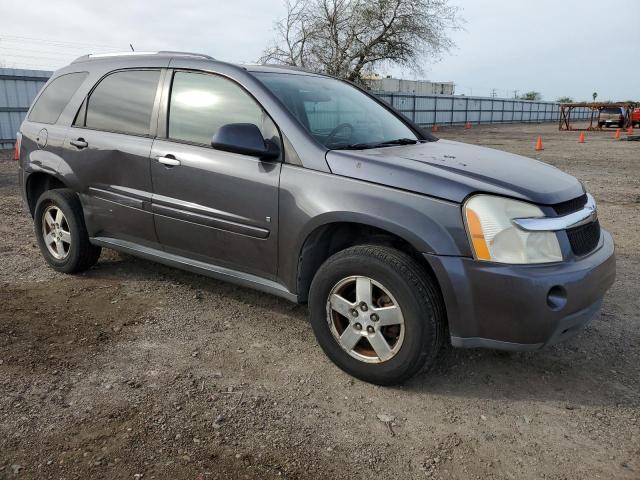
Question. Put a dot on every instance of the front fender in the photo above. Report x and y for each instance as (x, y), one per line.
(311, 199)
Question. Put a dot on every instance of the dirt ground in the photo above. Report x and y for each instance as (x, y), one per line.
(135, 370)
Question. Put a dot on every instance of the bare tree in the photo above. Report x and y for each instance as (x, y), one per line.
(344, 38)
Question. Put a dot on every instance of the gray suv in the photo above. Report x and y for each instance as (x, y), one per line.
(307, 187)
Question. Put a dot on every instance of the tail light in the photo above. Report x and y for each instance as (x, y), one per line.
(16, 152)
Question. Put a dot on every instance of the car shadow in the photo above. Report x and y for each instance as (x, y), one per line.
(117, 266)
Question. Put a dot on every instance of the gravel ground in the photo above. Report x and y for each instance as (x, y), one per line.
(135, 370)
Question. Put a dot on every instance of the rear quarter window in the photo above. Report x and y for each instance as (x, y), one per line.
(55, 97)
(123, 102)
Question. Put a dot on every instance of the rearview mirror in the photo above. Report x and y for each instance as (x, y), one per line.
(246, 139)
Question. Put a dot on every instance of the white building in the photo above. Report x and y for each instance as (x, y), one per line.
(417, 87)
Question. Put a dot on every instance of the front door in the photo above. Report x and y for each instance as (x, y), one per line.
(108, 150)
(209, 205)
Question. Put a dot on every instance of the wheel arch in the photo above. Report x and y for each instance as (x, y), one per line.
(326, 238)
(37, 183)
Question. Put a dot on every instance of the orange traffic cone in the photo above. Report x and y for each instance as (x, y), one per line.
(539, 145)
(581, 137)
(467, 125)
(617, 134)
(434, 128)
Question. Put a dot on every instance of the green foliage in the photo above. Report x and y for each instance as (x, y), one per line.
(532, 95)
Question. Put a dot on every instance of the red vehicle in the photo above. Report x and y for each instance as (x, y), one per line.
(635, 117)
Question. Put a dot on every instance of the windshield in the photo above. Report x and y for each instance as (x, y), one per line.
(612, 111)
(337, 114)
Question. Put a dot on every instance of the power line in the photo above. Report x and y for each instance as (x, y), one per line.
(41, 50)
(60, 43)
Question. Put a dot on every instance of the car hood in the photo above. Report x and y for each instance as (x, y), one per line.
(454, 170)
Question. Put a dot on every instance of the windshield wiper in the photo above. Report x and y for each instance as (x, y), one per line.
(400, 141)
(386, 143)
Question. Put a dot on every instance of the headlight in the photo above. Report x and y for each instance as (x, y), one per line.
(493, 237)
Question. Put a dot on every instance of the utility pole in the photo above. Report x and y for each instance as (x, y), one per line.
(515, 93)
(493, 93)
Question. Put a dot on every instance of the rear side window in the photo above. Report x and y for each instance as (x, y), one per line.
(123, 102)
(202, 103)
(55, 97)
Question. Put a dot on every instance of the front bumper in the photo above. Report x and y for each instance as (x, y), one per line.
(522, 307)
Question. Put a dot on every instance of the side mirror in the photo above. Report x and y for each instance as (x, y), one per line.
(244, 138)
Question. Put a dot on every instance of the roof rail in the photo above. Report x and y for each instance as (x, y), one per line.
(126, 53)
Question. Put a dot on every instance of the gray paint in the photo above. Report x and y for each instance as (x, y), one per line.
(454, 170)
(245, 220)
(508, 303)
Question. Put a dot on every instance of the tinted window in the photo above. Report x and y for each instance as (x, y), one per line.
(202, 103)
(613, 110)
(334, 112)
(55, 97)
(123, 102)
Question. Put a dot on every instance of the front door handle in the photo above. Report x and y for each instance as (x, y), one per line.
(80, 143)
(169, 161)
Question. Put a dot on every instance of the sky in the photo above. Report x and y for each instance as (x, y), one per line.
(556, 47)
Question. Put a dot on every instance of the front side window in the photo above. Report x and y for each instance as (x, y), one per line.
(334, 112)
(55, 97)
(201, 103)
(123, 102)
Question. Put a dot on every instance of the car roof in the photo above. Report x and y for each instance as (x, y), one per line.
(130, 57)
(273, 68)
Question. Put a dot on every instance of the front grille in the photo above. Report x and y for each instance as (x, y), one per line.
(570, 206)
(584, 239)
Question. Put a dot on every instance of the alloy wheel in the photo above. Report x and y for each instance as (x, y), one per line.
(365, 319)
(55, 232)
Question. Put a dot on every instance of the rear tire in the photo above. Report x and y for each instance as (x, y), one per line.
(61, 232)
(395, 280)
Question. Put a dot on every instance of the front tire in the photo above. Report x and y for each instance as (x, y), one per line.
(61, 232)
(377, 314)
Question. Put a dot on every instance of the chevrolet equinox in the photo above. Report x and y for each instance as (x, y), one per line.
(310, 188)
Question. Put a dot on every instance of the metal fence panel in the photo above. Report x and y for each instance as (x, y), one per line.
(428, 110)
(18, 88)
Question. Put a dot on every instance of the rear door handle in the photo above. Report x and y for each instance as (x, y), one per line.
(169, 160)
(80, 143)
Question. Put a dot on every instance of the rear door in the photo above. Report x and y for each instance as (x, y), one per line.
(209, 205)
(108, 148)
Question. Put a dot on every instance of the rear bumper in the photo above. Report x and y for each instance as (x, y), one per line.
(522, 307)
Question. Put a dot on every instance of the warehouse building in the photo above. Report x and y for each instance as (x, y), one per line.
(416, 87)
